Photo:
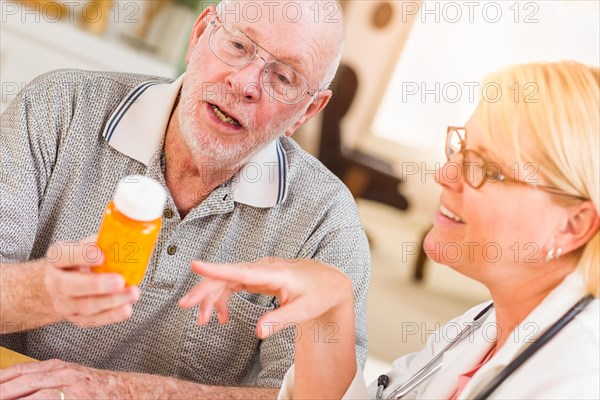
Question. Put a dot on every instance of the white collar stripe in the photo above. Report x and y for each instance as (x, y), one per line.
(125, 106)
(282, 173)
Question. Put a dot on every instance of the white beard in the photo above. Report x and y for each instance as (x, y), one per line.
(204, 143)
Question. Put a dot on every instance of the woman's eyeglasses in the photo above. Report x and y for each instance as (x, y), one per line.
(477, 170)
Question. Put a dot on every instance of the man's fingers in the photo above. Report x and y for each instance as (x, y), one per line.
(111, 316)
(76, 284)
(10, 373)
(70, 254)
(89, 306)
(32, 382)
(45, 394)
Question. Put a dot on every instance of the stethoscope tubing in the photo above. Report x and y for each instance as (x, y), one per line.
(535, 346)
(429, 369)
(435, 364)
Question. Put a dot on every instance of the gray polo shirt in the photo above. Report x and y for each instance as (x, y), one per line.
(65, 142)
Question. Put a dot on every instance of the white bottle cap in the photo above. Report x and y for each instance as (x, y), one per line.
(140, 198)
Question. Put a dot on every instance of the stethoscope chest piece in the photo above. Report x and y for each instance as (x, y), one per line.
(382, 383)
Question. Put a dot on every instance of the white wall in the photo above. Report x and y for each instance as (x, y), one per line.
(436, 82)
(373, 54)
(35, 42)
(441, 53)
(453, 44)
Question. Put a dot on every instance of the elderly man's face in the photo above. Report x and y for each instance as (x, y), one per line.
(225, 113)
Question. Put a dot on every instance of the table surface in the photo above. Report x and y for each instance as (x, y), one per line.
(9, 358)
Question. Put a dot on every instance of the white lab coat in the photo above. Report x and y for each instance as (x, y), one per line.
(567, 367)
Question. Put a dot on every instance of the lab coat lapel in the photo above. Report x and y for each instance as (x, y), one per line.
(557, 303)
(461, 359)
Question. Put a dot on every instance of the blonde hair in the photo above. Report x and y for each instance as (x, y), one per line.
(558, 105)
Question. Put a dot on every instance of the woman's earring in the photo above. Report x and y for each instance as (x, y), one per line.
(552, 254)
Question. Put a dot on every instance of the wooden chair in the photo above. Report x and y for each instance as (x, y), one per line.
(366, 176)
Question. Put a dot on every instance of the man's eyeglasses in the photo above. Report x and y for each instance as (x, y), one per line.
(235, 48)
(477, 170)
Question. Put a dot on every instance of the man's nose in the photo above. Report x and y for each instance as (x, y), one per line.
(245, 81)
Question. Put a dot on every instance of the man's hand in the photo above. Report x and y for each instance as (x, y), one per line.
(47, 379)
(81, 296)
(61, 286)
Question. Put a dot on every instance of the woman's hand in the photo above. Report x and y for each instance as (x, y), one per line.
(307, 289)
(309, 292)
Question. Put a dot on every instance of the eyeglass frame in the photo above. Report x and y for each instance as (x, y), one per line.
(501, 177)
(253, 57)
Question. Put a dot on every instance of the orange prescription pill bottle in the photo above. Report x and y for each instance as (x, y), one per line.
(130, 227)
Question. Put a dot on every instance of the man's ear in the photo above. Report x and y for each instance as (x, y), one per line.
(581, 226)
(313, 109)
(199, 28)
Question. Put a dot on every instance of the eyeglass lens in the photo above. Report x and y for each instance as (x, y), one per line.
(474, 168)
(473, 165)
(233, 47)
(454, 142)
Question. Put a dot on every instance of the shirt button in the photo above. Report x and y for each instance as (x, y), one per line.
(168, 213)
(171, 250)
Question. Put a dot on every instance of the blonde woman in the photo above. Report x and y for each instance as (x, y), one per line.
(524, 214)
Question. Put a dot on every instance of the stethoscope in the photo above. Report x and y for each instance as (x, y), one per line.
(431, 367)
(435, 364)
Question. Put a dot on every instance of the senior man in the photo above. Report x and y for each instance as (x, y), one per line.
(239, 190)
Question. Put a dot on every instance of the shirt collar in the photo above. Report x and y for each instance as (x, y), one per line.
(137, 129)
